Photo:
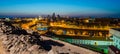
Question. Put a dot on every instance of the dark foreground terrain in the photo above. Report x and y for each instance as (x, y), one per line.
(14, 40)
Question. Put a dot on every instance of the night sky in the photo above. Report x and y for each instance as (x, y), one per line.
(62, 7)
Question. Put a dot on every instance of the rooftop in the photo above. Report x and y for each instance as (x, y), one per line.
(118, 29)
(85, 38)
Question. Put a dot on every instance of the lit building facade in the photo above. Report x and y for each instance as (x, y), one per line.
(116, 37)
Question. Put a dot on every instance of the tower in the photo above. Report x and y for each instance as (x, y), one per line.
(53, 17)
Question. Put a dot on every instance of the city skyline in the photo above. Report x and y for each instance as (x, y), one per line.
(62, 7)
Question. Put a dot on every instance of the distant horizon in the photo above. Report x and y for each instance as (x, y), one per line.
(45, 15)
(61, 7)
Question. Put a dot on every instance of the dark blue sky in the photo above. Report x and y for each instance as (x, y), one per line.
(62, 7)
